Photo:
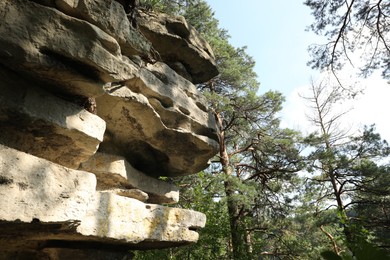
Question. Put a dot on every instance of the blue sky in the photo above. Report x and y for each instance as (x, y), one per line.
(274, 32)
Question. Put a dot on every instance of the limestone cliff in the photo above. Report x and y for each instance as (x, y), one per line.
(92, 111)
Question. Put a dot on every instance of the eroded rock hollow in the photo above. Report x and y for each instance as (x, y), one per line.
(93, 110)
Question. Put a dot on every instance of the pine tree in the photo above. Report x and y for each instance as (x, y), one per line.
(337, 163)
(257, 159)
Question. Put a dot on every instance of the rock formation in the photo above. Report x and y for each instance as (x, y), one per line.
(93, 111)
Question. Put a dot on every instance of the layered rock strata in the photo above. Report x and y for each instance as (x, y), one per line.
(92, 112)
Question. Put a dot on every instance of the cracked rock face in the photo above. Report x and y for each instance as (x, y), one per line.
(92, 112)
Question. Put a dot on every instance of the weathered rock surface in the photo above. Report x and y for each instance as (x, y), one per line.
(114, 172)
(73, 55)
(34, 121)
(41, 190)
(162, 115)
(177, 41)
(62, 204)
(77, 184)
(129, 220)
(104, 14)
(130, 193)
(173, 133)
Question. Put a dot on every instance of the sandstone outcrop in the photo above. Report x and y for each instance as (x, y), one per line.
(163, 115)
(92, 112)
(44, 193)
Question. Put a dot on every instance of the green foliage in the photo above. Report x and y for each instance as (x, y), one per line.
(165, 6)
(342, 168)
(364, 251)
(202, 193)
(358, 26)
(330, 255)
(373, 203)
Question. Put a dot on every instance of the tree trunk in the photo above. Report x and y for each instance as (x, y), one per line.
(236, 228)
(248, 242)
(328, 167)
